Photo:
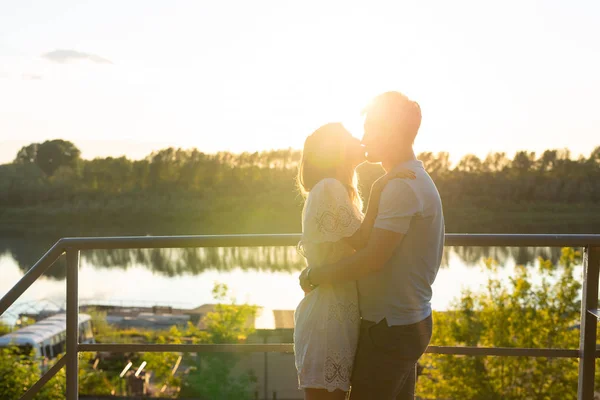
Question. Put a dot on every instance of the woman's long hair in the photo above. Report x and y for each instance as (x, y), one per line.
(325, 156)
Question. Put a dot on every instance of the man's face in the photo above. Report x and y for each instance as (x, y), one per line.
(374, 140)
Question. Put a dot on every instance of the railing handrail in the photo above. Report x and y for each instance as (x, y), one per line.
(586, 353)
(292, 239)
(289, 348)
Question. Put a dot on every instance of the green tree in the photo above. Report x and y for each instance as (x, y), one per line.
(4, 328)
(27, 154)
(523, 161)
(162, 365)
(50, 155)
(513, 313)
(595, 156)
(496, 162)
(92, 379)
(470, 163)
(19, 370)
(211, 376)
(435, 165)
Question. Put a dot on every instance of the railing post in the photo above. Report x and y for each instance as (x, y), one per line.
(72, 324)
(589, 322)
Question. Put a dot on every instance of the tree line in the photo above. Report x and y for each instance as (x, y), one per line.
(189, 191)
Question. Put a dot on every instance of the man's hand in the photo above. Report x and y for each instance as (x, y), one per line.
(304, 282)
(383, 180)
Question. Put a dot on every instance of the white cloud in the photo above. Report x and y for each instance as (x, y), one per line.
(66, 56)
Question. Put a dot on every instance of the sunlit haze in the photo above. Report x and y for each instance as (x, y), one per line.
(129, 77)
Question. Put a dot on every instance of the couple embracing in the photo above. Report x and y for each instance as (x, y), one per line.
(366, 316)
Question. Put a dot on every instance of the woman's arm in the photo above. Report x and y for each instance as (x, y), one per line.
(361, 237)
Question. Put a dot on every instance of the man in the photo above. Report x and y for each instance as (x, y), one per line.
(397, 267)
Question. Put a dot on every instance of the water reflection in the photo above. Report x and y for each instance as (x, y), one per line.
(26, 251)
(175, 262)
(504, 255)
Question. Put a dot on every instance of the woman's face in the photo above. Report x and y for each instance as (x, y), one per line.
(355, 152)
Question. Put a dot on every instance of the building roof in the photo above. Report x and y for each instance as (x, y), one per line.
(284, 319)
(265, 318)
(40, 331)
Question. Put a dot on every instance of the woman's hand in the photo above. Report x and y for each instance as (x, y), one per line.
(361, 237)
(380, 183)
(305, 282)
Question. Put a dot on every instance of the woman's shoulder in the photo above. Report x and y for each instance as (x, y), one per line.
(328, 193)
(328, 185)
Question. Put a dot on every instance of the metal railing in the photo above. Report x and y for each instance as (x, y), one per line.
(586, 353)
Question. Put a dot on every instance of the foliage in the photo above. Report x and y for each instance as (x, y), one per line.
(521, 311)
(229, 323)
(24, 321)
(4, 328)
(100, 327)
(175, 191)
(162, 364)
(212, 375)
(49, 156)
(19, 370)
(92, 379)
(213, 379)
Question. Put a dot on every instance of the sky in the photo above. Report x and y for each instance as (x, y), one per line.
(128, 77)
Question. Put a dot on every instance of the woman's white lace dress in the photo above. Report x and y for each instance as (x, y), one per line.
(327, 319)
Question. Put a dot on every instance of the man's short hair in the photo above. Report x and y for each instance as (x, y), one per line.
(397, 112)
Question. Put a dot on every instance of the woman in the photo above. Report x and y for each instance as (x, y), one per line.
(327, 320)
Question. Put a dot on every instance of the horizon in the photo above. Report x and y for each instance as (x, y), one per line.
(137, 153)
(249, 77)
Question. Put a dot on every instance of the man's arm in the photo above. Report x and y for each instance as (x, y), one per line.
(380, 247)
(399, 204)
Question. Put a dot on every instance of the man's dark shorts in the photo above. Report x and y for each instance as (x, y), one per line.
(386, 359)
